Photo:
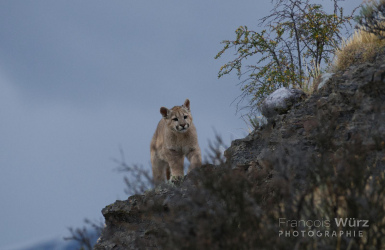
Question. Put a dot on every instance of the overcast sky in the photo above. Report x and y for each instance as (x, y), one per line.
(79, 79)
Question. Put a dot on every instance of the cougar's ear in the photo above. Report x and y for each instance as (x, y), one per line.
(186, 104)
(164, 111)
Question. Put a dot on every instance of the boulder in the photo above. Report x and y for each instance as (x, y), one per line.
(280, 101)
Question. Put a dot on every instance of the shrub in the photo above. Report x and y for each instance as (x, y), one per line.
(86, 237)
(299, 36)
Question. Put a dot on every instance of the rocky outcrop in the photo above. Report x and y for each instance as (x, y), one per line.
(136, 223)
(349, 107)
(354, 100)
(125, 225)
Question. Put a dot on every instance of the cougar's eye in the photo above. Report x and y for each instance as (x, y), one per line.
(175, 119)
(185, 117)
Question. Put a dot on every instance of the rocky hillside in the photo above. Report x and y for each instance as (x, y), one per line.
(353, 100)
(323, 158)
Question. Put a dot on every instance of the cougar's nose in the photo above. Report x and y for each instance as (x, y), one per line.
(182, 125)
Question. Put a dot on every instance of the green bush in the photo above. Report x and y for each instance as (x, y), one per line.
(299, 37)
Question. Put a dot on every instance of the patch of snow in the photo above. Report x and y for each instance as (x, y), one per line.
(280, 101)
(278, 97)
(324, 78)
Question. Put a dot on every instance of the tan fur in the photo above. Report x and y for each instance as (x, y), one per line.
(173, 140)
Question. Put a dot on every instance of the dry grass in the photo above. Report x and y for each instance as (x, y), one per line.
(359, 48)
(313, 77)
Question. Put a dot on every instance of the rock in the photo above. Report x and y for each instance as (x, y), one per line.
(280, 101)
(349, 108)
(134, 223)
(350, 97)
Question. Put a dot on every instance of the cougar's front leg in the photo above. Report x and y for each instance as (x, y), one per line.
(195, 158)
(175, 160)
(158, 172)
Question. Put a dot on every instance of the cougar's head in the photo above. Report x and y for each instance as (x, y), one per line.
(178, 118)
